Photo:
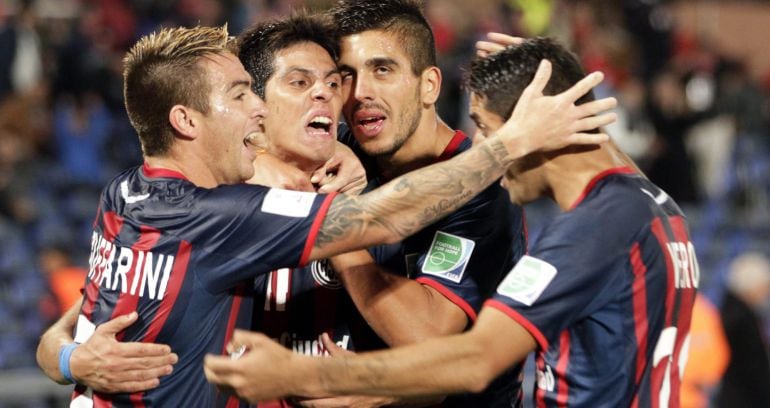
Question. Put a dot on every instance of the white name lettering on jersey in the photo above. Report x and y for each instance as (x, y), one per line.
(686, 269)
(527, 280)
(110, 265)
(288, 203)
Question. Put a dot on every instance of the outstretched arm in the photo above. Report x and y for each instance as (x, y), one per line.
(411, 202)
(102, 363)
(460, 363)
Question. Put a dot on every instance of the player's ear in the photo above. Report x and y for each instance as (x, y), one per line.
(184, 120)
(430, 85)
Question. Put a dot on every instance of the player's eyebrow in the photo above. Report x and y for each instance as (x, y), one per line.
(381, 61)
(333, 72)
(237, 83)
(309, 72)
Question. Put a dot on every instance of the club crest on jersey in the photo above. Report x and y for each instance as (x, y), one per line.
(527, 280)
(448, 256)
(325, 275)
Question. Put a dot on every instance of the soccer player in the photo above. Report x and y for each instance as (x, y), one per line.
(604, 296)
(292, 62)
(177, 240)
(434, 282)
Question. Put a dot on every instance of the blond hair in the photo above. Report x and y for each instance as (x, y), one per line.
(161, 70)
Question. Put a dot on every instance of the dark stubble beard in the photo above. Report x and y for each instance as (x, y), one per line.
(409, 120)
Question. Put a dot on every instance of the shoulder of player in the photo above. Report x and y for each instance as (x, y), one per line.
(621, 198)
(611, 217)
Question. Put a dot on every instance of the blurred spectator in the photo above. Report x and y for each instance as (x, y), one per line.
(746, 382)
(21, 66)
(708, 356)
(741, 97)
(81, 131)
(671, 167)
(650, 23)
(65, 279)
(633, 131)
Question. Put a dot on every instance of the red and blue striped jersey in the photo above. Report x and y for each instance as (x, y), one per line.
(464, 256)
(607, 293)
(184, 258)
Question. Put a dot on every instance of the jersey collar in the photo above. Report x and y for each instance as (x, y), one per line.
(451, 148)
(157, 172)
(599, 177)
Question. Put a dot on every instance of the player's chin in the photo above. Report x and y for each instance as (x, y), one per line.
(247, 166)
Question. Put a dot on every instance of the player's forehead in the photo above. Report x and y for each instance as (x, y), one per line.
(224, 71)
(304, 56)
(360, 48)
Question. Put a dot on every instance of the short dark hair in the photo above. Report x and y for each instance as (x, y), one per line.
(402, 17)
(260, 43)
(501, 77)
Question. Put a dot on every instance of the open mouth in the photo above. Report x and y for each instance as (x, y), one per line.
(371, 122)
(256, 139)
(370, 125)
(320, 125)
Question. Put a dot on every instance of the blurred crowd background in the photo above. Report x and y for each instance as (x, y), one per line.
(692, 79)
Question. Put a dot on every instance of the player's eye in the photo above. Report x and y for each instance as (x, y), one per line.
(334, 82)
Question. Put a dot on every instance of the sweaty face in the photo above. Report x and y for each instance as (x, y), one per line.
(523, 179)
(382, 95)
(304, 99)
(235, 115)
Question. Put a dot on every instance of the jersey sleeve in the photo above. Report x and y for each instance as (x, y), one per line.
(261, 228)
(564, 278)
(470, 251)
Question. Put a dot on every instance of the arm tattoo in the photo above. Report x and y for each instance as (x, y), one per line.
(411, 202)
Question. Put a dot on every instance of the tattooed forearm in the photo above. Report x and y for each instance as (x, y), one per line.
(413, 201)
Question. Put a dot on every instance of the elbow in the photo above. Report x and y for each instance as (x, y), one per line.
(481, 370)
(480, 376)
(46, 362)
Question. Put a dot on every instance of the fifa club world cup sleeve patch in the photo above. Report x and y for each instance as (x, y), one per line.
(448, 256)
(527, 280)
(288, 203)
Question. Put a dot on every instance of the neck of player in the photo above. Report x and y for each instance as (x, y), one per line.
(570, 170)
(421, 148)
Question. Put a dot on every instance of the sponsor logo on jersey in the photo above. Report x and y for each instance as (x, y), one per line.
(448, 256)
(288, 203)
(527, 280)
(138, 273)
(325, 275)
(309, 347)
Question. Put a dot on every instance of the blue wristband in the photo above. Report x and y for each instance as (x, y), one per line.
(65, 353)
